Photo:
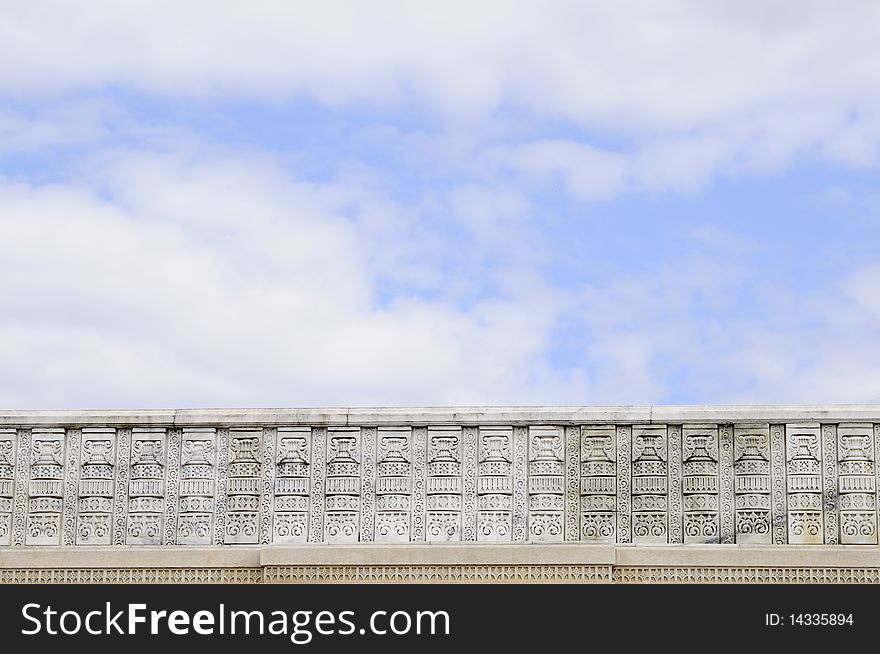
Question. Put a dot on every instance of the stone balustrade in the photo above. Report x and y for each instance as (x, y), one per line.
(773, 475)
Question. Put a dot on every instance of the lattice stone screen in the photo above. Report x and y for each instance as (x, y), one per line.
(641, 475)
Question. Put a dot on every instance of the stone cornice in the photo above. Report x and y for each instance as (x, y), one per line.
(475, 415)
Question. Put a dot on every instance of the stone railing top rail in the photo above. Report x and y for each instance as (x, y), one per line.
(746, 475)
(474, 415)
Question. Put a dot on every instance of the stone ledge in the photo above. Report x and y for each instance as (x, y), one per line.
(439, 554)
(371, 556)
(395, 416)
(854, 556)
(129, 557)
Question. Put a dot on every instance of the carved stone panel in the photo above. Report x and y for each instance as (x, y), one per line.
(649, 484)
(369, 444)
(495, 484)
(342, 502)
(778, 499)
(598, 487)
(195, 518)
(857, 483)
(45, 488)
(624, 486)
(751, 462)
(7, 484)
(803, 473)
(676, 511)
(94, 522)
(394, 485)
(420, 473)
(520, 510)
(243, 486)
(700, 483)
(546, 513)
(146, 497)
(97, 483)
(292, 485)
(444, 484)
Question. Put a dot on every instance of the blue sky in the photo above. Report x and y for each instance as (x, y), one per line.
(302, 204)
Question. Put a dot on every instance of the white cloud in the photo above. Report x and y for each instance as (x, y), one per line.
(672, 66)
(196, 274)
(224, 281)
(706, 324)
(69, 123)
(202, 278)
(581, 170)
(693, 89)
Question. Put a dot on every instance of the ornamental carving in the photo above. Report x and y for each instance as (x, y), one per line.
(404, 481)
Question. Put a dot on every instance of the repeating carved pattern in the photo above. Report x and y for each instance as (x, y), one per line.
(172, 481)
(444, 499)
(243, 486)
(778, 506)
(420, 450)
(469, 495)
(394, 485)
(94, 521)
(131, 575)
(7, 484)
(120, 500)
(220, 494)
(624, 470)
(436, 573)
(598, 479)
(519, 519)
(368, 485)
(147, 487)
(548, 573)
(71, 463)
(877, 471)
(316, 517)
(45, 489)
(727, 494)
(266, 499)
(752, 483)
(799, 483)
(292, 485)
(857, 484)
(676, 500)
(197, 458)
(700, 483)
(829, 483)
(22, 464)
(495, 484)
(342, 503)
(803, 474)
(649, 485)
(546, 483)
(744, 575)
(572, 483)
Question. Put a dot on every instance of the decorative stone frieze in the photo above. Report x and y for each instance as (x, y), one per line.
(756, 476)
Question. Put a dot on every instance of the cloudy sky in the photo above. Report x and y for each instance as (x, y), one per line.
(255, 203)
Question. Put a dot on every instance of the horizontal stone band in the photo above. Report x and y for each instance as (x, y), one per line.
(764, 476)
(478, 563)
